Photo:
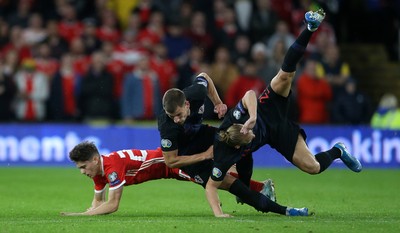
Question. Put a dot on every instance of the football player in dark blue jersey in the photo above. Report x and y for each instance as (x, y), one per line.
(257, 122)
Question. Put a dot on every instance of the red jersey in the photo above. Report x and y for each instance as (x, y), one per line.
(128, 167)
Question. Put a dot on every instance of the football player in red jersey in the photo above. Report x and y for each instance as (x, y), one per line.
(123, 168)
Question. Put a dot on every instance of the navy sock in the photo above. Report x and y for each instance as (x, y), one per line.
(244, 168)
(326, 158)
(296, 51)
(255, 199)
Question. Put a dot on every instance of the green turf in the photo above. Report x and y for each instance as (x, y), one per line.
(31, 199)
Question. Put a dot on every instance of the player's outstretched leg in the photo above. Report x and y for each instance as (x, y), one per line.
(350, 161)
(314, 19)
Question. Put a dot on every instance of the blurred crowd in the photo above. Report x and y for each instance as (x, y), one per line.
(78, 60)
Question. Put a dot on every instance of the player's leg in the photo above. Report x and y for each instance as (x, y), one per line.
(257, 200)
(281, 83)
(244, 168)
(315, 164)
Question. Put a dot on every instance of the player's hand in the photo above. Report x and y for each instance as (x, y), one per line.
(220, 109)
(70, 214)
(248, 125)
(224, 216)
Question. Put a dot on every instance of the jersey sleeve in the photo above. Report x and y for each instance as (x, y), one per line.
(169, 138)
(224, 157)
(198, 90)
(99, 184)
(115, 174)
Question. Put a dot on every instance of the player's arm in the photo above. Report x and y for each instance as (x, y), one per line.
(219, 107)
(174, 161)
(249, 102)
(213, 199)
(98, 199)
(108, 207)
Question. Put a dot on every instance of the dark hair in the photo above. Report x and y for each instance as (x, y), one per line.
(173, 98)
(84, 151)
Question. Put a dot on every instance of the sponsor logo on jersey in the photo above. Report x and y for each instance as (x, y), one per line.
(201, 109)
(198, 179)
(165, 143)
(216, 172)
(113, 178)
(237, 114)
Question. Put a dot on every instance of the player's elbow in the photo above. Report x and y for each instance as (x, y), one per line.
(113, 208)
(172, 164)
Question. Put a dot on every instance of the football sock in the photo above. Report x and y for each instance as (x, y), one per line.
(255, 199)
(296, 51)
(326, 158)
(244, 168)
(254, 185)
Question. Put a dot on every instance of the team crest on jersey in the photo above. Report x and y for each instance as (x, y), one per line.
(165, 143)
(237, 114)
(113, 178)
(201, 109)
(198, 179)
(216, 172)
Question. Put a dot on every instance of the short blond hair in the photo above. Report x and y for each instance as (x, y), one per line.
(233, 137)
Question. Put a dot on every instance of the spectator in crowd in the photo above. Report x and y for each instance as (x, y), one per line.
(32, 92)
(96, 95)
(281, 34)
(387, 115)
(89, 38)
(58, 45)
(64, 89)
(199, 34)
(154, 31)
(226, 34)
(263, 20)
(141, 93)
(241, 53)
(223, 71)
(44, 62)
(69, 26)
(351, 107)
(81, 61)
(336, 71)
(35, 32)
(115, 66)
(259, 55)
(192, 66)
(108, 29)
(248, 80)
(243, 10)
(4, 31)
(11, 63)
(164, 67)
(17, 43)
(20, 16)
(7, 92)
(313, 95)
(176, 43)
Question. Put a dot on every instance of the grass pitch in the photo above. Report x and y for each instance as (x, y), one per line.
(32, 198)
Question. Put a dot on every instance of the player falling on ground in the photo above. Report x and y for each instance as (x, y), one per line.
(256, 122)
(124, 168)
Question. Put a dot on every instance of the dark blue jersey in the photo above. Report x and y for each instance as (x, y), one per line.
(175, 136)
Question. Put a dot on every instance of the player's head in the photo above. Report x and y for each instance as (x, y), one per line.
(175, 105)
(87, 158)
(233, 137)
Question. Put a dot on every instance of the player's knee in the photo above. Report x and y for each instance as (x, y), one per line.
(312, 168)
